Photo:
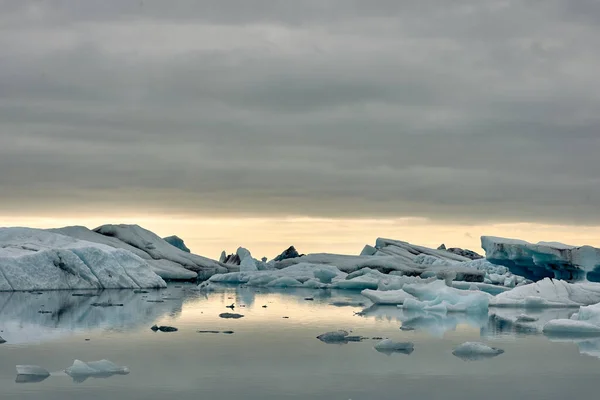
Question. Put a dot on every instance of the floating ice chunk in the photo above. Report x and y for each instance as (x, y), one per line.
(325, 275)
(549, 293)
(390, 346)
(80, 370)
(2, 340)
(569, 327)
(390, 297)
(475, 351)
(31, 373)
(437, 297)
(334, 337)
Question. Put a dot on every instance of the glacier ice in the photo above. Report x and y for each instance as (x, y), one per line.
(475, 351)
(569, 327)
(34, 259)
(543, 260)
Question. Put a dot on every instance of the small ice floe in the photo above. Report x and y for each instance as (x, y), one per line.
(84, 295)
(80, 371)
(224, 332)
(155, 301)
(31, 373)
(156, 328)
(471, 351)
(205, 286)
(140, 291)
(339, 337)
(2, 340)
(389, 346)
(230, 315)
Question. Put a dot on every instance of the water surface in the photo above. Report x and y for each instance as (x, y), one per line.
(272, 357)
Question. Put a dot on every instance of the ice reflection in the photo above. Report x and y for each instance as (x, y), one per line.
(41, 316)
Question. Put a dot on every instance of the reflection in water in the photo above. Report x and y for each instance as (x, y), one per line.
(32, 317)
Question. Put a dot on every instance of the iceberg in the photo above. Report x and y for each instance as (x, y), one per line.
(440, 298)
(166, 259)
(470, 351)
(549, 293)
(34, 259)
(544, 259)
(164, 268)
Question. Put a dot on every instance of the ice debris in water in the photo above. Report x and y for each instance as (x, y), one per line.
(586, 322)
(80, 370)
(476, 351)
(339, 337)
(230, 315)
(390, 346)
(31, 373)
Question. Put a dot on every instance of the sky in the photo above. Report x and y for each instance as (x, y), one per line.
(321, 123)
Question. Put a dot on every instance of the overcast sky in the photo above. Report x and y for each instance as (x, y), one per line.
(465, 111)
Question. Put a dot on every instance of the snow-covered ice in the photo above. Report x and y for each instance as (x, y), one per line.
(34, 259)
(438, 297)
(543, 260)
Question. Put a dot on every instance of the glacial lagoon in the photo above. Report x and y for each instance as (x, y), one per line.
(273, 352)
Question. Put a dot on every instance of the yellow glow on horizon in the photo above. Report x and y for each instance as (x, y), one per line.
(268, 236)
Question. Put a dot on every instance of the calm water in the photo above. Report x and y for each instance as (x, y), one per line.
(271, 357)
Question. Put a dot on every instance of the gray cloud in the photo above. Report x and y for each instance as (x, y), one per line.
(464, 111)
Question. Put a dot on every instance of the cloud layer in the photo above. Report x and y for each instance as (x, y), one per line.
(469, 111)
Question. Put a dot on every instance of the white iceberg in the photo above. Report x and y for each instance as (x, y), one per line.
(34, 259)
(168, 261)
(549, 293)
(438, 297)
(543, 260)
(476, 351)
